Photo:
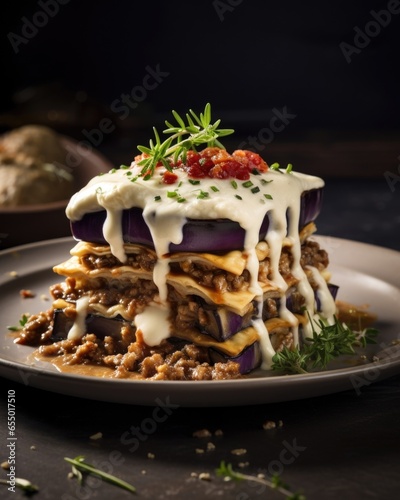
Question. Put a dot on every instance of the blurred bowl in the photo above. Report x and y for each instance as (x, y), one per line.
(30, 223)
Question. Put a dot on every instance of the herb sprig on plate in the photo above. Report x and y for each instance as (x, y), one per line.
(197, 130)
(326, 343)
(21, 323)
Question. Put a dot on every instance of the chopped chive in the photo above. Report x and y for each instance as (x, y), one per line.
(238, 197)
(234, 184)
(214, 188)
(264, 181)
(113, 170)
(247, 184)
(180, 184)
(181, 200)
(289, 168)
(202, 195)
(172, 194)
(255, 189)
(124, 167)
(268, 196)
(255, 172)
(274, 166)
(194, 182)
(157, 198)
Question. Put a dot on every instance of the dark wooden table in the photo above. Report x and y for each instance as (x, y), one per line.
(344, 445)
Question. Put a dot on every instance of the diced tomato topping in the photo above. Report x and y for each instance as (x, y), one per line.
(215, 163)
(169, 177)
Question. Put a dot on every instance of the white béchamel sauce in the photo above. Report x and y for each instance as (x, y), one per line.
(166, 216)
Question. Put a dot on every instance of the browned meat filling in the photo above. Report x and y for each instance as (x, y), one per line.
(133, 297)
(313, 255)
(130, 355)
(143, 260)
(212, 277)
(168, 361)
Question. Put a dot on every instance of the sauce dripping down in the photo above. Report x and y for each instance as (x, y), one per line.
(278, 195)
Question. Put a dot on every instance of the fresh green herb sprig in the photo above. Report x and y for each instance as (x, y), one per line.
(79, 465)
(196, 131)
(274, 483)
(22, 322)
(326, 344)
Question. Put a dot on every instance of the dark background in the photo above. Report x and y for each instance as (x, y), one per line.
(244, 57)
(262, 56)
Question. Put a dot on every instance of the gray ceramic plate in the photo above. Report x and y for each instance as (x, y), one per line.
(365, 273)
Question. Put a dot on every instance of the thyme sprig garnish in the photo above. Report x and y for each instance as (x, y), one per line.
(22, 322)
(326, 343)
(274, 483)
(196, 131)
(79, 465)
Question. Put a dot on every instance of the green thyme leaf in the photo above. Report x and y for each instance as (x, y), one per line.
(326, 343)
(22, 322)
(79, 464)
(274, 483)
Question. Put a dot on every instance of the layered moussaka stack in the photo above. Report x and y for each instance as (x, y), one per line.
(198, 267)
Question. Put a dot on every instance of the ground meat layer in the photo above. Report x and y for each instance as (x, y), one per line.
(129, 355)
(210, 276)
(134, 296)
(126, 354)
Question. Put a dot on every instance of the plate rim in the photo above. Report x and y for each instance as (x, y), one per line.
(11, 369)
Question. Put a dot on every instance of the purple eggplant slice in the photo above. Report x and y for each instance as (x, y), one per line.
(249, 359)
(216, 235)
(100, 326)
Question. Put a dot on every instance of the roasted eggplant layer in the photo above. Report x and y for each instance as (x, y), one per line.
(208, 340)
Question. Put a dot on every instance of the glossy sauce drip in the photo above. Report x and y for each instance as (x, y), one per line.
(328, 307)
(153, 324)
(78, 329)
(279, 193)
